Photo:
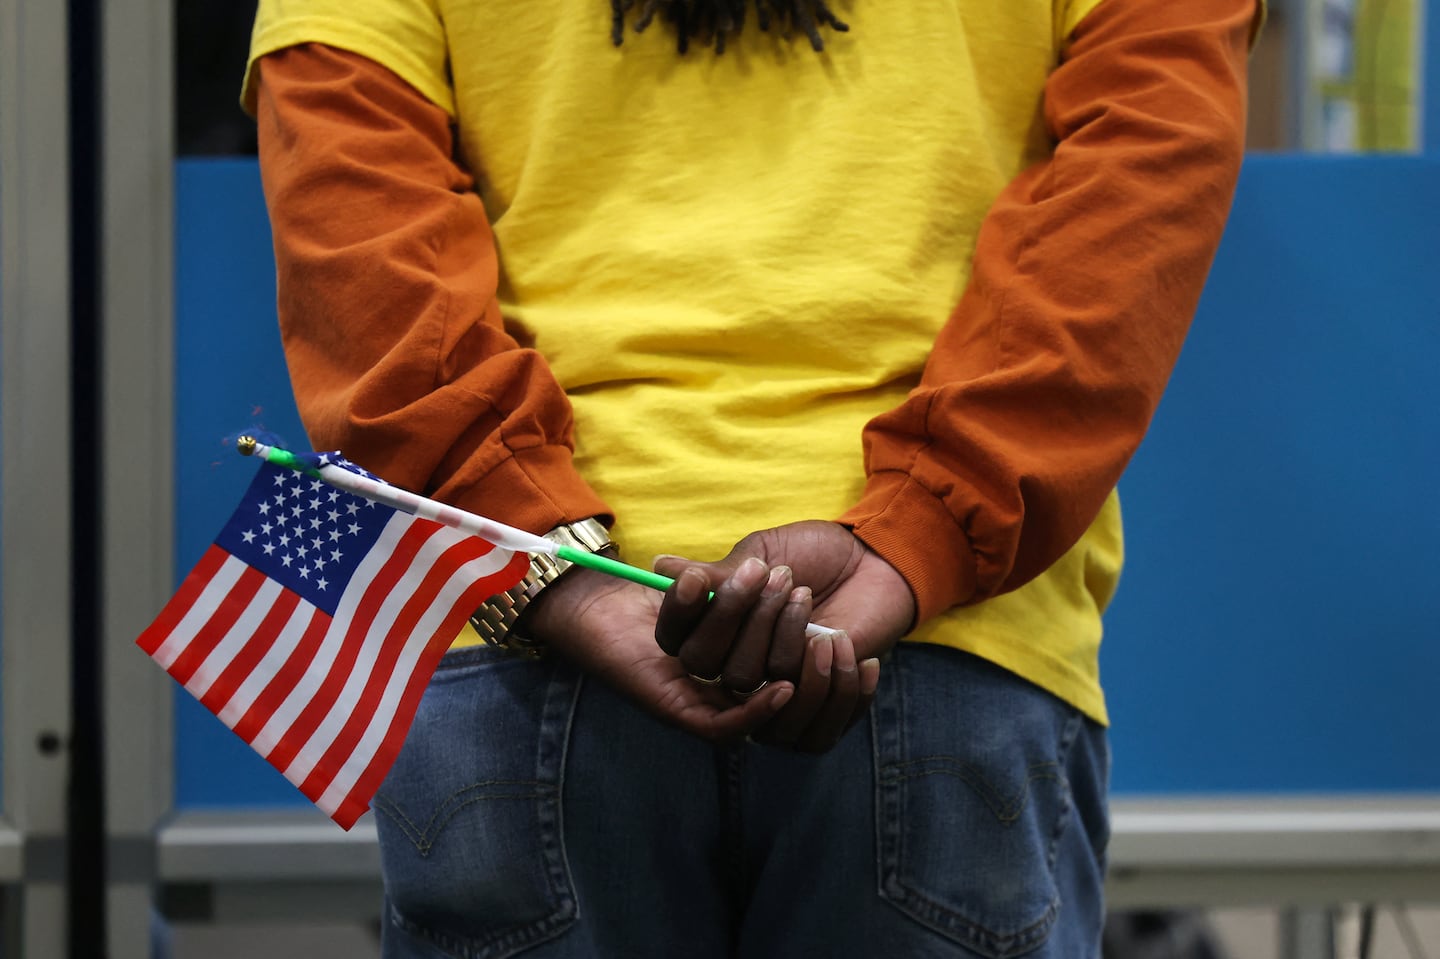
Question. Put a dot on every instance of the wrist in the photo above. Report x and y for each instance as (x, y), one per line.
(502, 619)
(554, 613)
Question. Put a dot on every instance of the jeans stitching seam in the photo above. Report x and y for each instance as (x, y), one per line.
(505, 941)
(562, 884)
(424, 839)
(1004, 810)
(1067, 741)
(999, 943)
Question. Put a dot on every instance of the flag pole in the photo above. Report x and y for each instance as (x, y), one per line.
(506, 537)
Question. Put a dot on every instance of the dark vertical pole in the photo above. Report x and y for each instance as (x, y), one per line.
(86, 874)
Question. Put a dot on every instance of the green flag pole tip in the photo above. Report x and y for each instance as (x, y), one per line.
(250, 446)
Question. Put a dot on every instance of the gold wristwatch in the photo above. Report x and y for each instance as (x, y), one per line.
(495, 619)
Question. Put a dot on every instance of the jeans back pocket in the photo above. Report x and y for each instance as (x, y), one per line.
(469, 817)
(971, 798)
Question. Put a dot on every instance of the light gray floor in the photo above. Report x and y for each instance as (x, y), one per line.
(1244, 933)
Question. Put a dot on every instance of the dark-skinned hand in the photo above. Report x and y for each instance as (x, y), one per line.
(770, 585)
(604, 626)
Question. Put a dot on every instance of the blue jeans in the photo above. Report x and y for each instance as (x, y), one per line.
(532, 812)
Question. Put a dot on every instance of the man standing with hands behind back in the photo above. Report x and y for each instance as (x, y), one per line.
(868, 306)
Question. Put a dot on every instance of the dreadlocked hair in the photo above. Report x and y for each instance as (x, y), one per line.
(712, 21)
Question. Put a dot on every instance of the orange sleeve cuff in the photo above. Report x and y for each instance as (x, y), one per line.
(911, 530)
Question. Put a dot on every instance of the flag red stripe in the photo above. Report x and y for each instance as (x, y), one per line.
(394, 570)
(397, 637)
(231, 607)
(248, 656)
(155, 635)
(286, 677)
(357, 800)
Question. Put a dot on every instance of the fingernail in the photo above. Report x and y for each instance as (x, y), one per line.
(689, 586)
(781, 697)
(662, 558)
(800, 594)
(869, 676)
(750, 574)
(778, 582)
(845, 656)
(824, 654)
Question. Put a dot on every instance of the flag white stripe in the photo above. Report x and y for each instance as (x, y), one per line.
(370, 643)
(384, 715)
(200, 611)
(239, 634)
(309, 683)
(270, 664)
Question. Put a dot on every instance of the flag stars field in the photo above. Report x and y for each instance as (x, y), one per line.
(323, 516)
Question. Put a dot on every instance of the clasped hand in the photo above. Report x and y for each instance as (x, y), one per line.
(767, 589)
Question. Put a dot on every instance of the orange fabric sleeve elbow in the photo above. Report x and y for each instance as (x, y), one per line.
(387, 273)
(1086, 273)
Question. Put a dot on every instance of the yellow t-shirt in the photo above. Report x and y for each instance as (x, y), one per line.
(733, 262)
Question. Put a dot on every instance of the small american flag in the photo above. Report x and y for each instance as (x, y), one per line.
(313, 623)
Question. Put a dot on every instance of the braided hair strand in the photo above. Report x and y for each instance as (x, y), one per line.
(712, 21)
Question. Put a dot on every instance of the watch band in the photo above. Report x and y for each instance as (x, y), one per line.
(495, 619)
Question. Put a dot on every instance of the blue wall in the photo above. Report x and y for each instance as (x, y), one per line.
(229, 377)
(1278, 626)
